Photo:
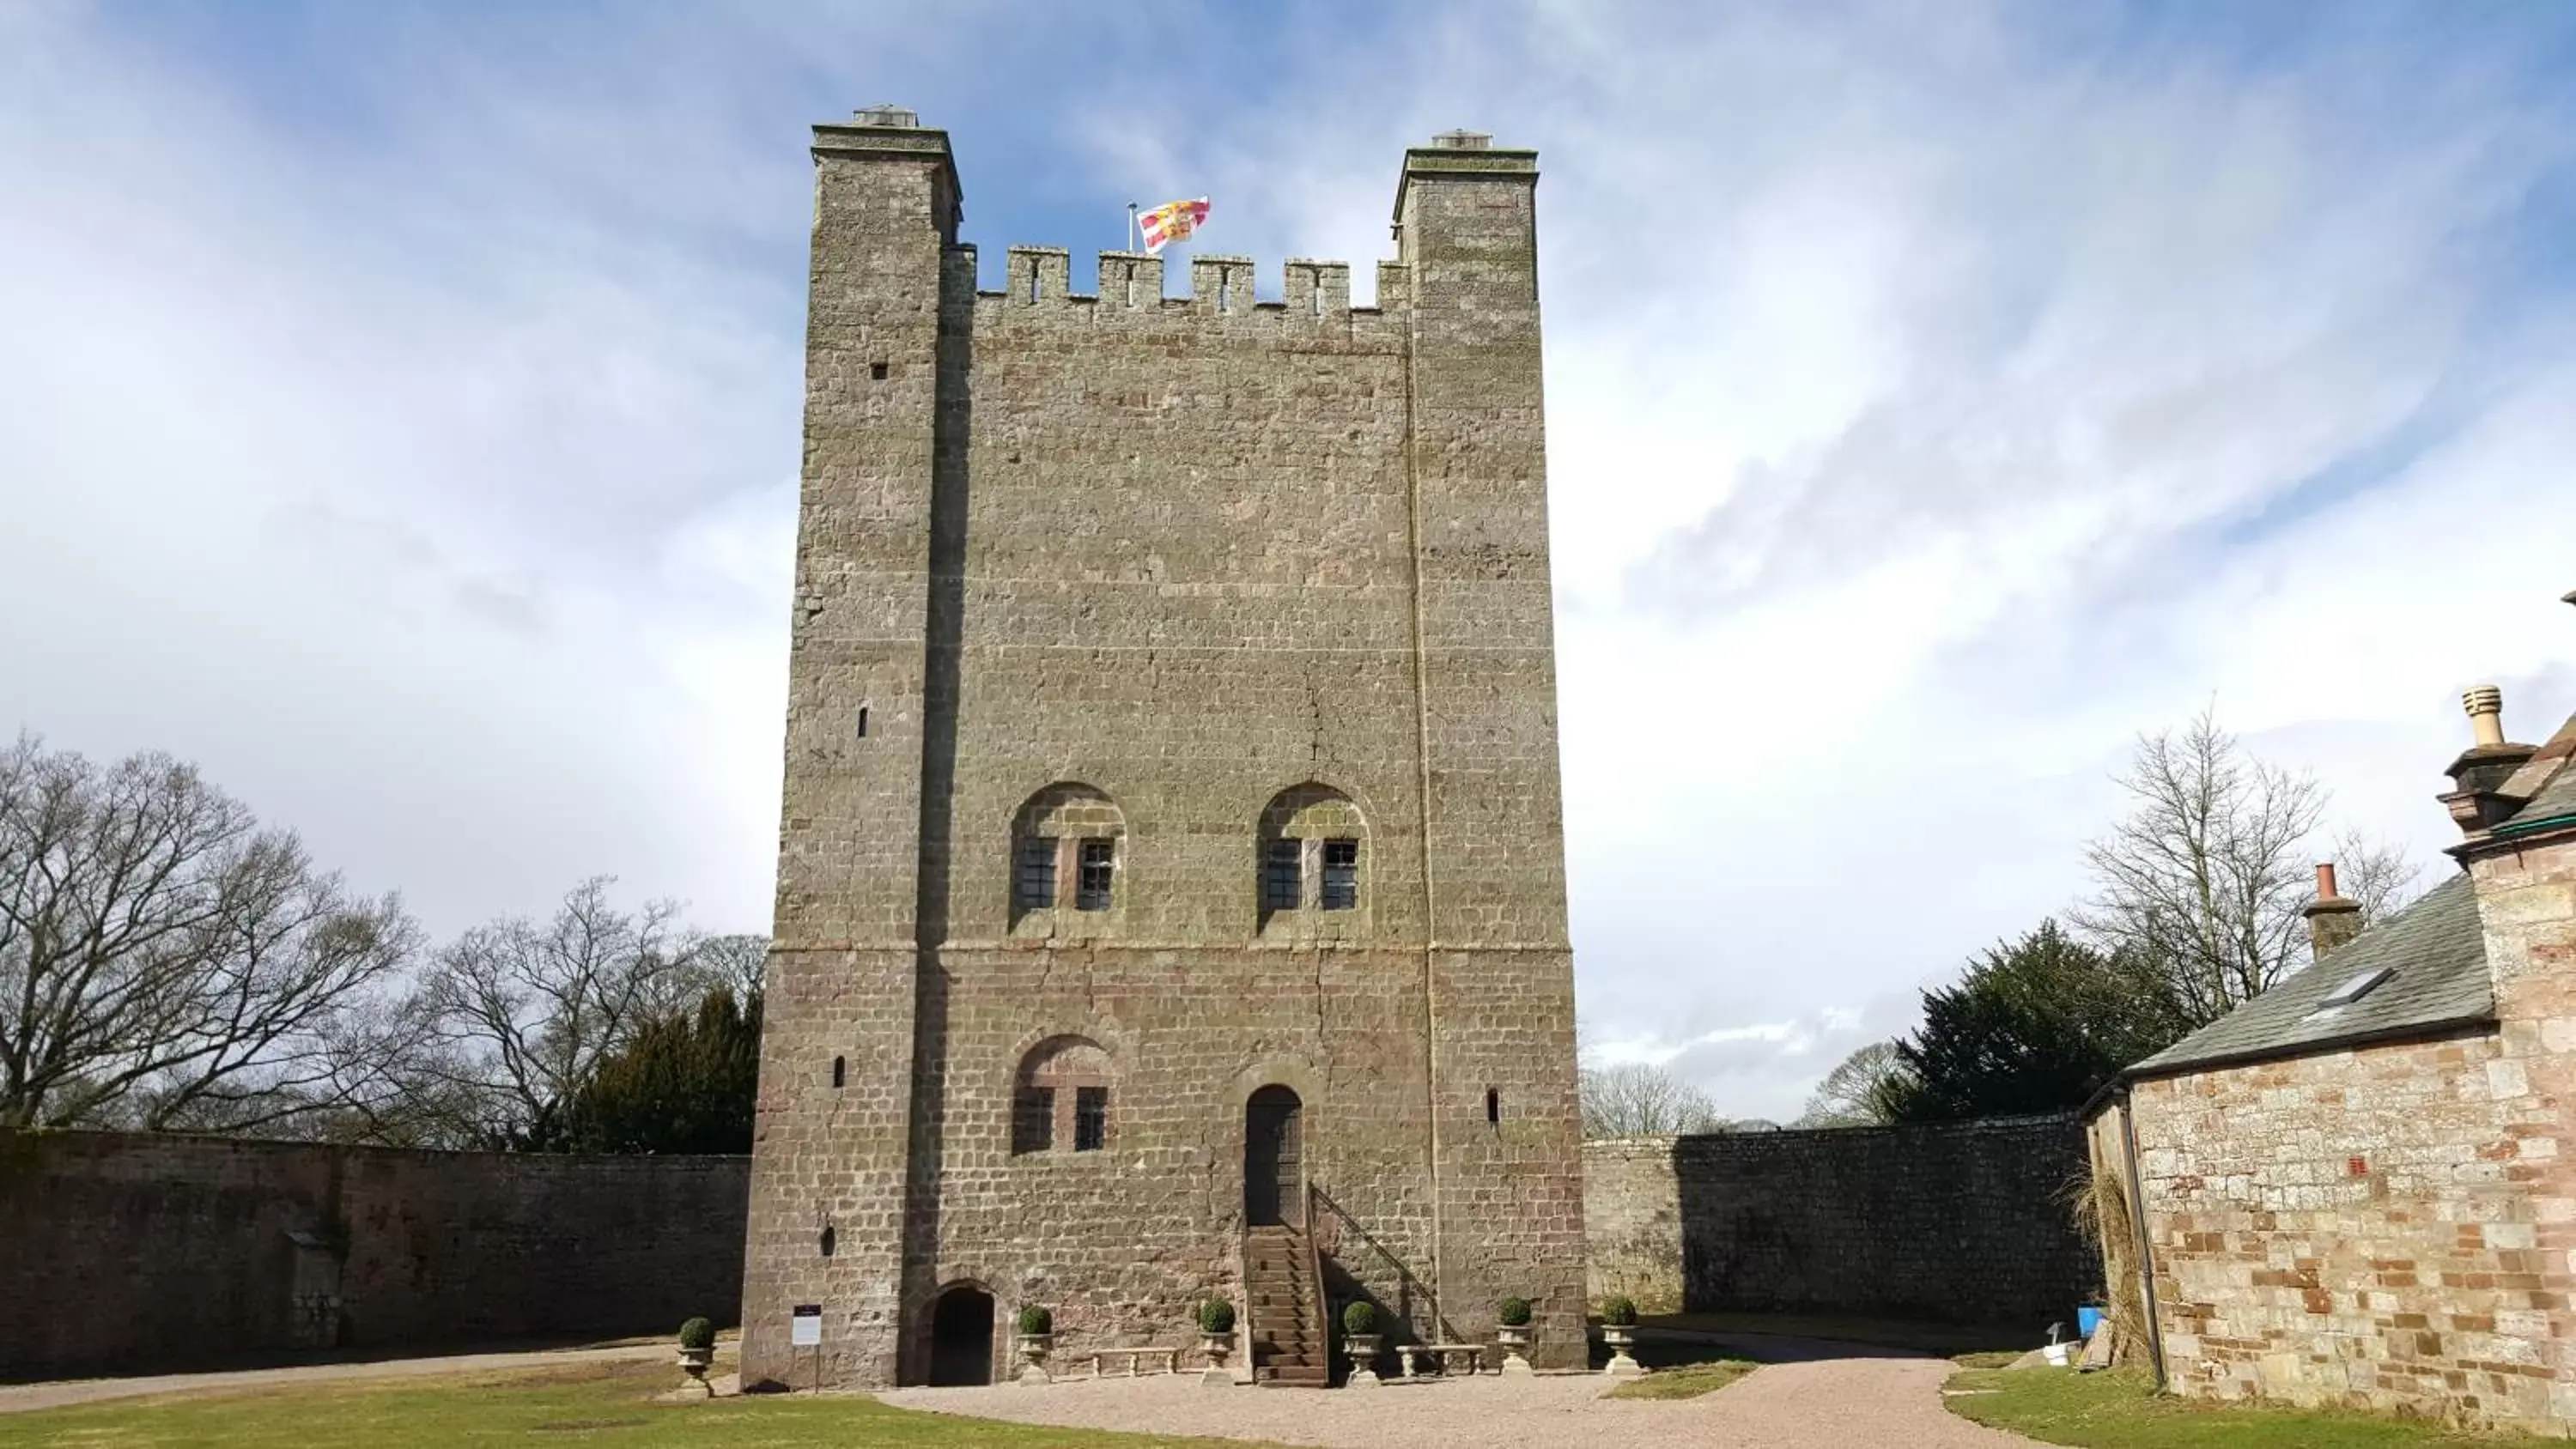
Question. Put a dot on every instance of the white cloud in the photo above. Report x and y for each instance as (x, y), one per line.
(1933, 405)
(1936, 399)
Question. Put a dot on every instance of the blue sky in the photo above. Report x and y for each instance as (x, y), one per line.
(403, 400)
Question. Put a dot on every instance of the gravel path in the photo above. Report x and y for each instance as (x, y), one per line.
(1821, 1399)
(18, 1398)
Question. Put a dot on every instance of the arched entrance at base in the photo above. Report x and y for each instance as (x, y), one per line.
(1274, 1177)
(961, 1336)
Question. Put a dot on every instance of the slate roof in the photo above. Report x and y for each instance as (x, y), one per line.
(2437, 957)
(2551, 778)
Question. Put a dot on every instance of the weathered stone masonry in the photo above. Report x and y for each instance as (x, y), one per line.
(1965, 1221)
(128, 1252)
(2386, 1219)
(1239, 571)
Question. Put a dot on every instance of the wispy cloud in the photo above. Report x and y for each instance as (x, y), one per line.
(403, 418)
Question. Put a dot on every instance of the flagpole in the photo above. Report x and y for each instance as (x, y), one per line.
(1131, 226)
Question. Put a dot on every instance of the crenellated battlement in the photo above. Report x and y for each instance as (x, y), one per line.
(1036, 276)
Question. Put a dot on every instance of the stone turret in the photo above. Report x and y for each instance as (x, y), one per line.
(2478, 798)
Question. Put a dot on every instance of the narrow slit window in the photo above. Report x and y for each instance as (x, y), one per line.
(1095, 874)
(1033, 874)
(877, 372)
(1315, 296)
(863, 721)
(1033, 281)
(1282, 875)
(1493, 1108)
(1225, 291)
(1131, 285)
(840, 1070)
(1033, 1120)
(1090, 1118)
(830, 1240)
(1341, 874)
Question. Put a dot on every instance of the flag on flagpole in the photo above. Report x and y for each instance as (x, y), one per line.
(1172, 221)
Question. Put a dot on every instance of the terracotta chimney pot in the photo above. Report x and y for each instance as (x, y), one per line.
(2332, 920)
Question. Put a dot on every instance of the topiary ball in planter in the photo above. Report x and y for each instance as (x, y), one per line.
(697, 1333)
(1036, 1322)
(1513, 1312)
(1619, 1313)
(1216, 1316)
(1359, 1318)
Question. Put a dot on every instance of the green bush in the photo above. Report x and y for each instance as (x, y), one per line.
(697, 1333)
(1216, 1316)
(1359, 1317)
(1618, 1312)
(1036, 1321)
(1514, 1312)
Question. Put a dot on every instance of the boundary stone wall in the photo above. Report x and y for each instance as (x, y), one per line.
(1960, 1221)
(124, 1252)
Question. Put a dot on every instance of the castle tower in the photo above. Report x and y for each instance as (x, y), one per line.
(1171, 896)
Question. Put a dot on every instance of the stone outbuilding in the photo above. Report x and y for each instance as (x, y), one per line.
(2359, 1188)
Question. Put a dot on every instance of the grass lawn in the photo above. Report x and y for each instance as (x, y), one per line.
(1685, 1383)
(1945, 1340)
(602, 1403)
(2119, 1410)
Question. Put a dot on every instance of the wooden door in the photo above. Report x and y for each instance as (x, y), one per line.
(1274, 1176)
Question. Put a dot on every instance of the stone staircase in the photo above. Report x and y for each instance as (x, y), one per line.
(1289, 1345)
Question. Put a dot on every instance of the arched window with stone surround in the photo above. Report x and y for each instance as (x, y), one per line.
(1068, 849)
(1312, 870)
(1061, 1098)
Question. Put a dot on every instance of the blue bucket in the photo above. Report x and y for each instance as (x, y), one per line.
(2087, 1319)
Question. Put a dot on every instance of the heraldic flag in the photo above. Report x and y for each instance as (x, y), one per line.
(1172, 221)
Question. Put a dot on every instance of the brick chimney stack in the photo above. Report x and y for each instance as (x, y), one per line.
(2332, 919)
(2477, 799)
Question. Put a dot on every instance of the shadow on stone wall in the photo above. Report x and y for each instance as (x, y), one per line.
(132, 1252)
(1964, 1222)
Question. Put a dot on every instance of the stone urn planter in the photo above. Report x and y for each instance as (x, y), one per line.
(1216, 1340)
(1513, 1332)
(1361, 1341)
(1621, 1338)
(697, 1350)
(1619, 1331)
(1037, 1337)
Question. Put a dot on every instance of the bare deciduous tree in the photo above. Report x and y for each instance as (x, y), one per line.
(2373, 874)
(164, 961)
(1851, 1095)
(1636, 1100)
(2203, 880)
(517, 1014)
(739, 964)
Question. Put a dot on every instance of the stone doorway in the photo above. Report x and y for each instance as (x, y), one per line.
(1274, 1176)
(961, 1337)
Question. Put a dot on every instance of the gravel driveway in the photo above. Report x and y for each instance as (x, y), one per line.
(1824, 1397)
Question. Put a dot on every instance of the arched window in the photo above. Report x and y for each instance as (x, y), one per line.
(1067, 848)
(1313, 865)
(1061, 1098)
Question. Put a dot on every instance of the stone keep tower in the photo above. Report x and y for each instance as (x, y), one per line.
(1171, 896)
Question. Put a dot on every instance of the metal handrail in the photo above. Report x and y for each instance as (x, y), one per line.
(1405, 1276)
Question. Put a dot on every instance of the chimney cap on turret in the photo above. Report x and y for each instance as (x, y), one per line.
(1461, 139)
(2485, 708)
(2479, 798)
(888, 114)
